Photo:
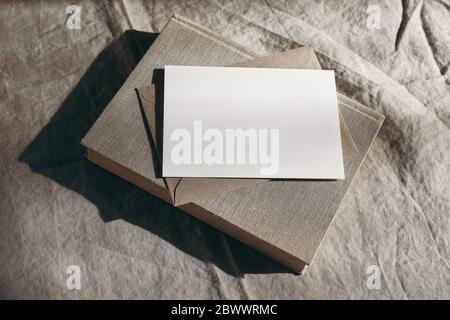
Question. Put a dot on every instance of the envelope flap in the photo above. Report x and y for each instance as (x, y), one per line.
(195, 189)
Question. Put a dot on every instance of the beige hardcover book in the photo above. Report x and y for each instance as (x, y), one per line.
(286, 220)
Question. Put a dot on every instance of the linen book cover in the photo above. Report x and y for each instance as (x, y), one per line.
(284, 219)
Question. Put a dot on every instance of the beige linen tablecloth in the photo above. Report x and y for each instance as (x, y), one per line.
(57, 210)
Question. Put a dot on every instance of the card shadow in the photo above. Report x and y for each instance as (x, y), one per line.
(156, 149)
(56, 153)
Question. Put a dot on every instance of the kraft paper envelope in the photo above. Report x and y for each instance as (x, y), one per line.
(185, 190)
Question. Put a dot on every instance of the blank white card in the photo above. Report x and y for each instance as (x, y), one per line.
(251, 123)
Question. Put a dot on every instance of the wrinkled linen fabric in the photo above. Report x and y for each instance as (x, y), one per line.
(58, 210)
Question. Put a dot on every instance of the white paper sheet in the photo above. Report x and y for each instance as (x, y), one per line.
(251, 123)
